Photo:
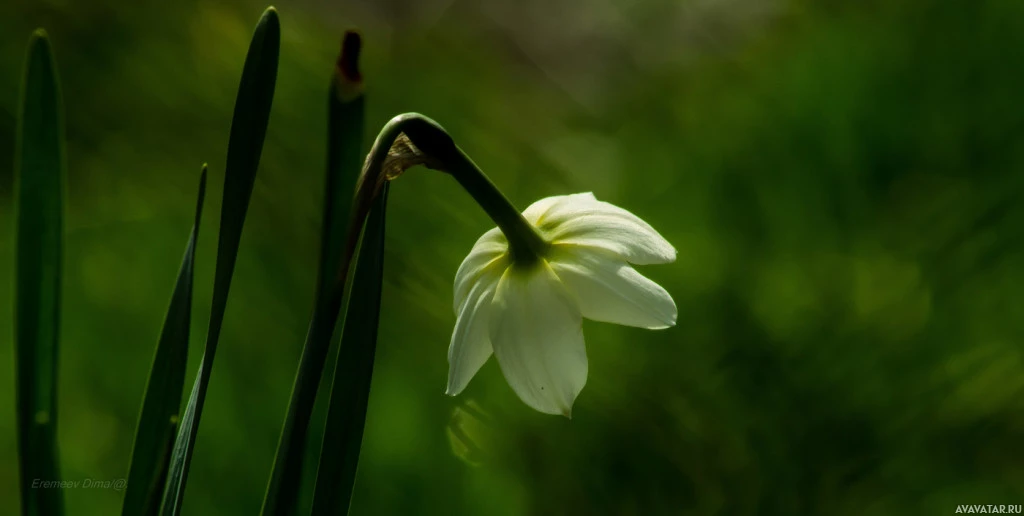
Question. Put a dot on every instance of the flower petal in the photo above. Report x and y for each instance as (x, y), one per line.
(583, 220)
(537, 335)
(609, 290)
(471, 343)
(488, 248)
(535, 213)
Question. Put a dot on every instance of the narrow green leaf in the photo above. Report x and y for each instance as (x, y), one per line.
(346, 112)
(39, 177)
(245, 145)
(315, 437)
(158, 422)
(350, 393)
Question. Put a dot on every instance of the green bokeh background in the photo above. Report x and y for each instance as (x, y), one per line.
(843, 181)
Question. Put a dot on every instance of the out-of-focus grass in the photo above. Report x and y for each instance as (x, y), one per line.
(842, 182)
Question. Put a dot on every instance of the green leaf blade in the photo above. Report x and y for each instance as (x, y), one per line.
(158, 421)
(346, 121)
(39, 191)
(350, 393)
(245, 146)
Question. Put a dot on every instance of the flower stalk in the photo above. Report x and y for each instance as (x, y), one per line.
(413, 139)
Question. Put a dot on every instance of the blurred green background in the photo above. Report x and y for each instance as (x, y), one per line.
(843, 181)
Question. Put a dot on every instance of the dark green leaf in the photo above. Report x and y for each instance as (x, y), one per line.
(318, 418)
(346, 108)
(39, 169)
(248, 129)
(351, 390)
(158, 421)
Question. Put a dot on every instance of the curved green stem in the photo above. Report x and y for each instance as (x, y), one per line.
(440, 152)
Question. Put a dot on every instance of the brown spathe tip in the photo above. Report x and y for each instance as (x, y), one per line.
(348, 61)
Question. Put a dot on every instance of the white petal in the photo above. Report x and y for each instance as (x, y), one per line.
(471, 342)
(537, 334)
(609, 290)
(585, 221)
(535, 213)
(487, 249)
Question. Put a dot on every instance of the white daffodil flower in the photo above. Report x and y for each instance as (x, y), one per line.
(530, 314)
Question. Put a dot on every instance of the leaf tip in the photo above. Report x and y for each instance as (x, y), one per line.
(39, 41)
(270, 15)
(202, 186)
